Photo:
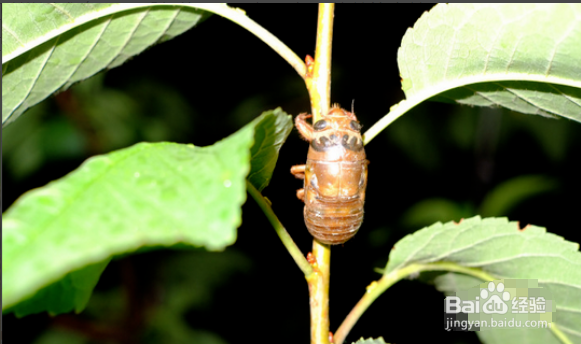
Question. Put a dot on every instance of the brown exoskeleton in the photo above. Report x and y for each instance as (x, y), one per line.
(335, 176)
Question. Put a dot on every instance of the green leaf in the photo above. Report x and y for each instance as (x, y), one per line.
(146, 195)
(48, 47)
(502, 250)
(72, 292)
(271, 134)
(513, 335)
(451, 282)
(56, 335)
(370, 341)
(524, 57)
(191, 281)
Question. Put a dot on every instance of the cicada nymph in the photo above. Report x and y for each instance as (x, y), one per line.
(335, 176)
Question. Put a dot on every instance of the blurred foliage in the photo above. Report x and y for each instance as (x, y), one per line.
(189, 280)
(60, 336)
(510, 193)
(484, 134)
(30, 142)
(432, 210)
(92, 119)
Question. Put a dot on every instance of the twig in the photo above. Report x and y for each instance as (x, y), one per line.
(319, 82)
(282, 233)
(319, 86)
(377, 288)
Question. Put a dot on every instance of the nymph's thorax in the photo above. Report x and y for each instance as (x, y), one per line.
(337, 137)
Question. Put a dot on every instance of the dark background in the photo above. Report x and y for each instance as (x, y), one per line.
(207, 83)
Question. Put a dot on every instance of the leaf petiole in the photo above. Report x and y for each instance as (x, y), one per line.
(282, 233)
(377, 288)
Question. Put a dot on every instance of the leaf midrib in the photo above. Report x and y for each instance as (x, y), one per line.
(447, 85)
(83, 19)
(414, 257)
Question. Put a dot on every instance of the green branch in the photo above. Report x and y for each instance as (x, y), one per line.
(239, 17)
(282, 233)
(395, 112)
(236, 15)
(319, 85)
(377, 288)
(319, 293)
(319, 82)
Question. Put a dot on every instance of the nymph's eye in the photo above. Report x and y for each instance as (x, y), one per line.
(355, 125)
(320, 124)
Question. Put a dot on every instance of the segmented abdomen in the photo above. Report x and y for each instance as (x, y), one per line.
(334, 222)
(334, 198)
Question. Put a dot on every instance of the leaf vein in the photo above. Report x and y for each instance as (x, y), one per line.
(91, 48)
(170, 23)
(571, 27)
(13, 34)
(519, 256)
(568, 330)
(481, 95)
(569, 98)
(546, 281)
(62, 10)
(525, 99)
(489, 51)
(567, 309)
(413, 255)
(131, 34)
(449, 253)
(33, 83)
